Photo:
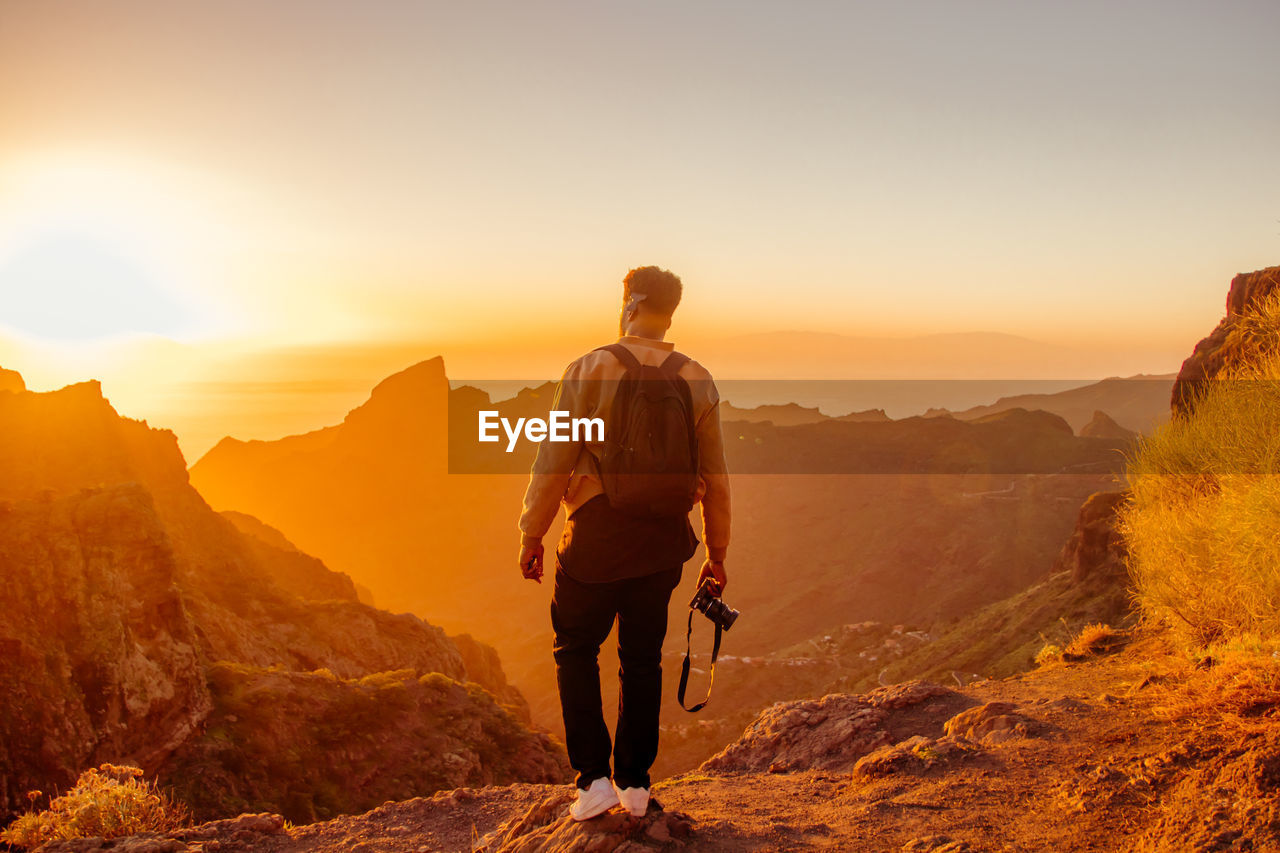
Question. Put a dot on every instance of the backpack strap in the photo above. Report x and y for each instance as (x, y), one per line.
(622, 354)
(671, 366)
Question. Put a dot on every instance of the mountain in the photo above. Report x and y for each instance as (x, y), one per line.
(791, 414)
(1102, 425)
(138, 624)
(1137, 403)
(916, 521)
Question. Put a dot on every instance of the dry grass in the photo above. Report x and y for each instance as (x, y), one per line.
(1049, 653)
(1201, 523)
(107, 802)
(1235, 684)
(1093, 640)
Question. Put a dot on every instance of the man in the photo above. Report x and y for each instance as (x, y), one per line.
(612, 565)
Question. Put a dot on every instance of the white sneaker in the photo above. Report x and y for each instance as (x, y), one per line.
(634, 800)
(597, 799)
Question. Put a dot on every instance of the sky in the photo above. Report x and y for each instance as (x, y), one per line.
(200, 182)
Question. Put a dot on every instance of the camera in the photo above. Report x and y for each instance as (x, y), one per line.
(705, 601)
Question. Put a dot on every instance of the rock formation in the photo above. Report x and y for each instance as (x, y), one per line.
(128, 601)
(11, 380)
(1096, 550)
(1102, 425)
(1218, 350)
(830, 733)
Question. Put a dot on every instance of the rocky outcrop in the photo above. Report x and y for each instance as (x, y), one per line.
(830, 733)
(1096, 551)
(11, 380)
(310, 745)
(994, 722)
(916, 754)
(547, 828)
(100, 658)
(125, 593)
(1219, 350)
(484, 668)
(1103, 425)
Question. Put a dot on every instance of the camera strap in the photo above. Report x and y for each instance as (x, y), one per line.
(684, 668)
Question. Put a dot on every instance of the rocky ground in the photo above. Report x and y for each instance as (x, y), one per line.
(1102, 755)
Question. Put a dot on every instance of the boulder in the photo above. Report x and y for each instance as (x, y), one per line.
(830, 733)
(992, 723)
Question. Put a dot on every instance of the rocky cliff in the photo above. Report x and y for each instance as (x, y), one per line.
(1219, 350)
(125, 591)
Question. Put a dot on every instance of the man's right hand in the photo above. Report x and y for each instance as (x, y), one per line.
(714, 569)
(531, 561)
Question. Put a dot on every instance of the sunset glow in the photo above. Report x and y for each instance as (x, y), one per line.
(473, 180)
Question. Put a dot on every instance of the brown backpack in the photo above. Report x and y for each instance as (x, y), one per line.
(649, 466)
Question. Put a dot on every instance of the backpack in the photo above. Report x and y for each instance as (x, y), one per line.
(649, 466)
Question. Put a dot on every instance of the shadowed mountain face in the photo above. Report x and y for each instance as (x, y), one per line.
(953, 515)
(123, 588)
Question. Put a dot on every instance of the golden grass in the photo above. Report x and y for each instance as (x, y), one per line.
(1093, 640)
(1235, 684)
(1049, 653)
(107, 802)
(1204, 510)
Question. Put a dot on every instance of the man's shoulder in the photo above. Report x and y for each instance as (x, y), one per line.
(589, 360)
(694, 370)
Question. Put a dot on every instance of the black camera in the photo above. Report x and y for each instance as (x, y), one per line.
(705, 601)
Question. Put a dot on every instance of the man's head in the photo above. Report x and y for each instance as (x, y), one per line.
(649, 298)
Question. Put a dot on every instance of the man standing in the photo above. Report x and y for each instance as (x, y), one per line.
(614, 562)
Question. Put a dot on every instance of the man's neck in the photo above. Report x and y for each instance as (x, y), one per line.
(643, 330)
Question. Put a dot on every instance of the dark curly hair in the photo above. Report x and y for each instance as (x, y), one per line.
(661, 288)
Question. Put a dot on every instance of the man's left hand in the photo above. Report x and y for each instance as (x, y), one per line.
(714, 569)
(531, 561)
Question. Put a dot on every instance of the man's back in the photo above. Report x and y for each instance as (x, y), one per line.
(570, 471)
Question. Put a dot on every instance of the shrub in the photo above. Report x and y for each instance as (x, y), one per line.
(107, 802)
(1202, 518)
(1093, 640)
(1049, 653)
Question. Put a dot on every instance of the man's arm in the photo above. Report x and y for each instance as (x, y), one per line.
(715, 500)
(548, 480)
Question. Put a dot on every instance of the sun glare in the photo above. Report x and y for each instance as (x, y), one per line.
(100, 249)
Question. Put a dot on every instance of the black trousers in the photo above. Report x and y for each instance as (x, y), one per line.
(582, 615)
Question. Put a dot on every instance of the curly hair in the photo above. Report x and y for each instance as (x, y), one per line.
(661, 288)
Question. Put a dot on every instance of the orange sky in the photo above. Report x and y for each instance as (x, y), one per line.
(185, 189)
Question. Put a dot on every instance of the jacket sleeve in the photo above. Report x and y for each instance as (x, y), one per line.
(714, 473)
(552, 467)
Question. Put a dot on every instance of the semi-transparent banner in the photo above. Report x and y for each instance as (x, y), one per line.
(774, 426)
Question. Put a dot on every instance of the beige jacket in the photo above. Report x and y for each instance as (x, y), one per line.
(569, 472)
